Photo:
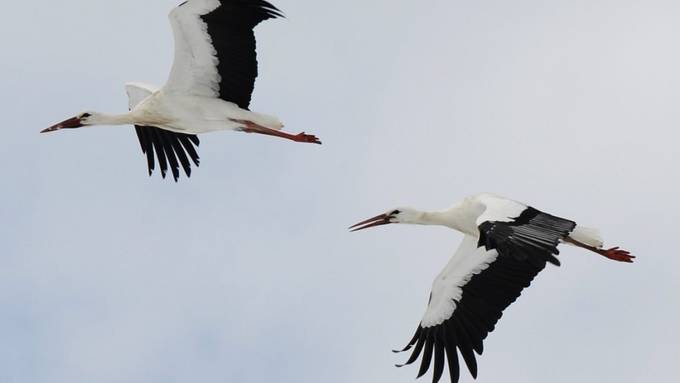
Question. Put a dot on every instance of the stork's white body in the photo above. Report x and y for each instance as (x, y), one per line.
(188, 114)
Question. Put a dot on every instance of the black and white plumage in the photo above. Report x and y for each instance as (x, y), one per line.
(506, 245)
(170, 148)
(215, 49)
(209, 88)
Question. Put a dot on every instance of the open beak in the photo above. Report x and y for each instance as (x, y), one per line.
(378, 220)
(71, 123)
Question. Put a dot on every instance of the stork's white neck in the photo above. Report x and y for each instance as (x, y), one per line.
(436, 218)
(110, 119)
(457, 218)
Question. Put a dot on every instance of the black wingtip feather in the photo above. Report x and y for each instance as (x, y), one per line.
(465, 348)
(416, 352)
(170, 148)
(145, 142)
(410, 344)
(166, 143)
(186, 142)
(438, 361)
(160, 151)
(452, 361)
(474, 334)
(552, 259)
(450, 342)
(270, 9)
(427, 357)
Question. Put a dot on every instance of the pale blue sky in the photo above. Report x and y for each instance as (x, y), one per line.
(246, 272)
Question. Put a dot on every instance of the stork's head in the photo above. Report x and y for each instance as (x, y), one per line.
(399, 215)
(78, 121)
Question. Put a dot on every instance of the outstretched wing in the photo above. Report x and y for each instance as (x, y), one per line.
(215, 50)
(172, 149)
(467, 300)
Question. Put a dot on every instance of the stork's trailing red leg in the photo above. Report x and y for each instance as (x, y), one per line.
(252, 127)
(614, 253)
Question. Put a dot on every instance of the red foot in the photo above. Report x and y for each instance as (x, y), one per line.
(307, 138)
(617, 254)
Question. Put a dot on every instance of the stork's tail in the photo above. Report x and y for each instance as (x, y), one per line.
(587, 236)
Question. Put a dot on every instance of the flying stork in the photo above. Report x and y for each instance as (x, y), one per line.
(506, 244)
(209, 87)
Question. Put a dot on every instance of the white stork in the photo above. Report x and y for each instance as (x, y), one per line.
(506, 245)
(209, 88)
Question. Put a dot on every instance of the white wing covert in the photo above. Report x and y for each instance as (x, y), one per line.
(468, 260)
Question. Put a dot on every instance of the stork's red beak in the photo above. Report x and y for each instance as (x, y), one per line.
(71, 123)
(378, 220)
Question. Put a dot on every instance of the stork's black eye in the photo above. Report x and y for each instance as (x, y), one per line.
(85, 115)
(395, 212)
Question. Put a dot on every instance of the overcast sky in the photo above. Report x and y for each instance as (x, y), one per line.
(246, 273)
